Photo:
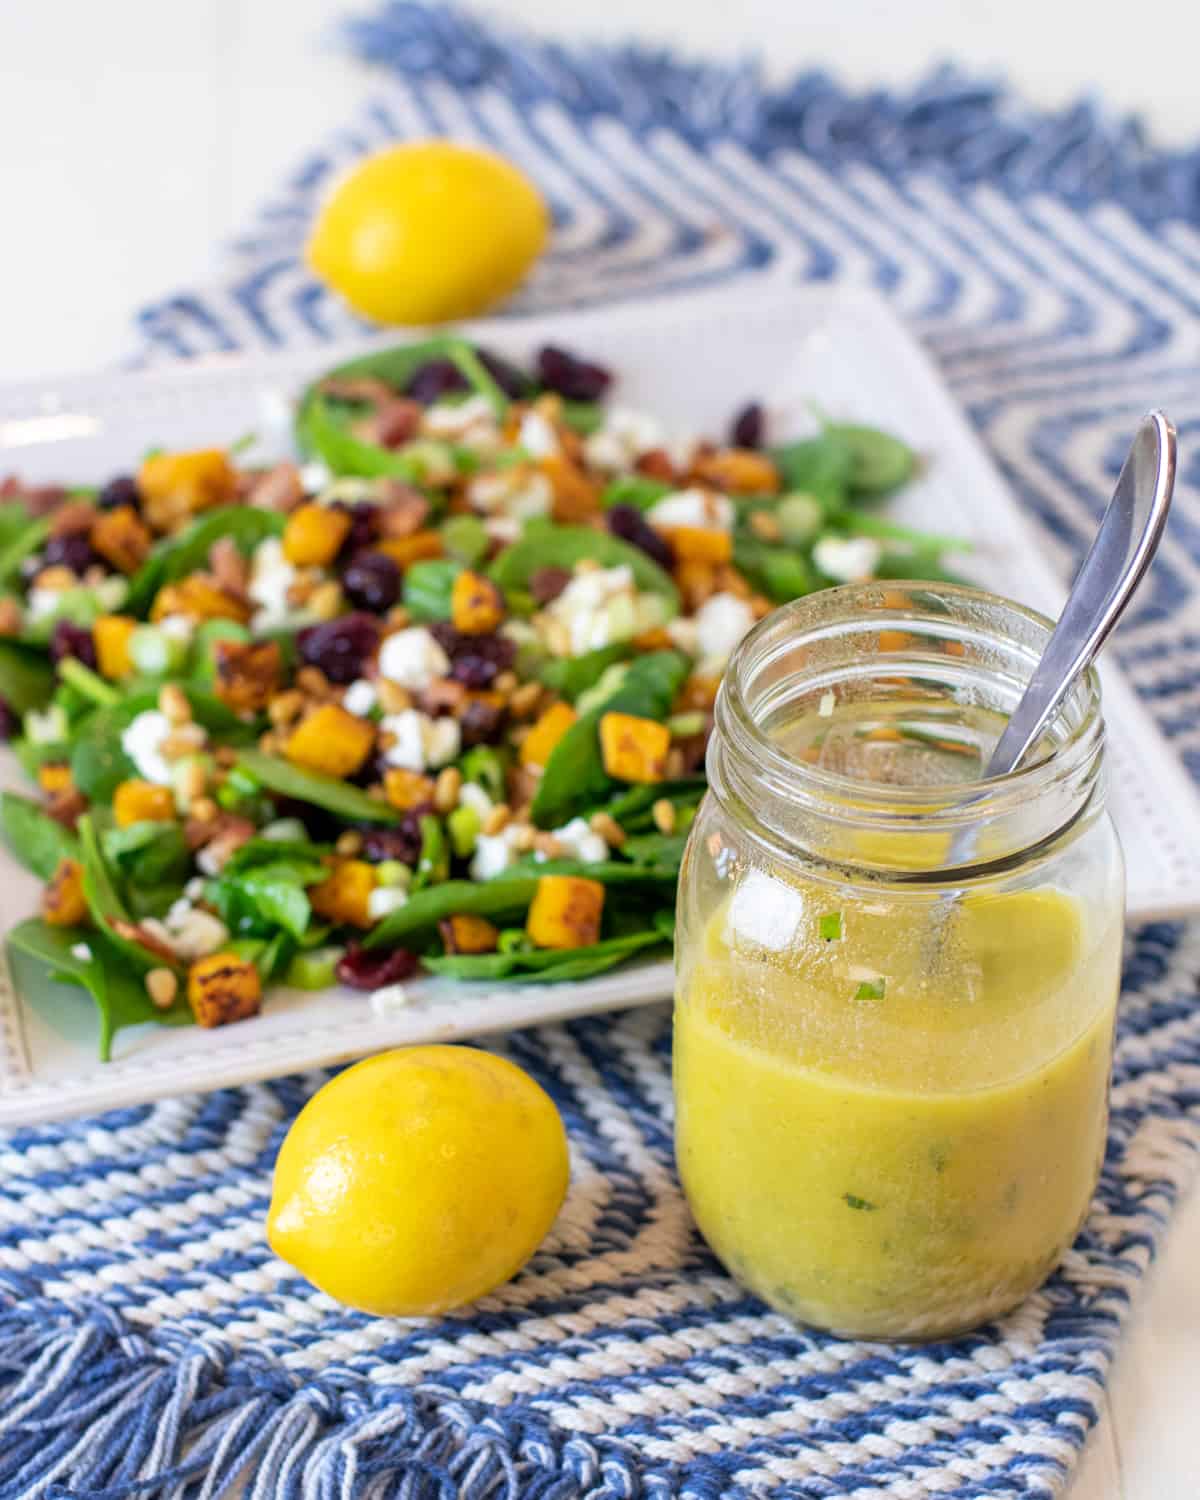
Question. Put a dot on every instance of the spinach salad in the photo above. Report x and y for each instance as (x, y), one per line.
(434, 698)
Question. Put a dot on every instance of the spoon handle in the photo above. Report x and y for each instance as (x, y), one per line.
(1126, 541)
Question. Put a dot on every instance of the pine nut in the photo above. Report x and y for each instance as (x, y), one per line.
(506, 683)
(192, 781)
(203, 810)
(763, 524)
(286, 707)
(608, 828)
(496, 820)
(446, 789)
(162, 986)
(523, 703)
(349, 843)
(393, 699)
(663, 812)
(173, 704)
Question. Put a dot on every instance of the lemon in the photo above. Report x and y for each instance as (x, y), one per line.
(428, 231)
(418, 1180)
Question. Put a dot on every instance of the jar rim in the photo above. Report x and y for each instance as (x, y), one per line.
(1066, 773)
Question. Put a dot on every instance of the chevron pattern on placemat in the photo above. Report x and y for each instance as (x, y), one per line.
(150, 1344)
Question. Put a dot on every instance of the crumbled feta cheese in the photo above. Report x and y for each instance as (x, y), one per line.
(271, 576)
(419, 742)
(383, 900)
(625, 436)
(502, 529)
(412, 658)
(537, 436)
(455, 419)
(848, 559)
(40, 602)
(826, 705)
(493, 853)
(360, 697)
(314, 476)
(142, 743)
(178, 627)
(46, 726)
(194, 889)
(386, 1001)
(285, 831)
(472, 795)
(350, 490)
(583, 844)
(596, 608)
(194, 933)
(685, 635)
(82, 952)
(693, 507)
(515, 493)
(111, 593)
(721, 622)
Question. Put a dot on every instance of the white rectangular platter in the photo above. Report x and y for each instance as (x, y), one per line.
(690, 360)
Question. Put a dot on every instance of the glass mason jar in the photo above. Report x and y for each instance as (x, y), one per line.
(896, 982)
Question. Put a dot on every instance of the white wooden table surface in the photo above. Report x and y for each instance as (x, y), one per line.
(137, 134)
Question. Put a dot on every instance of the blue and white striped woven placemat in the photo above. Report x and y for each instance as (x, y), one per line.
(149, 1343)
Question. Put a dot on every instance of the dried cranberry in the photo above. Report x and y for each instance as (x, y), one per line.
(364, 526)
(481, 723)
(72, 640)
(402, 841)
(749, 427)
(571, 377)
(122, 490)
(513, 382)
(71, 550)
(627, 522)
(363, 970)
(340, 648)
(433, 380)
(473, 671)
(10, 721)
(499, 650)
(372, 581)
(547, 583)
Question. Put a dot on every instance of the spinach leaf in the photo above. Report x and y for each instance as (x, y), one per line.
(119, 995)
(540, 965)
(571, 675)
(335, 796)
(33, 837)
(104, 901)
(427, 588)
(564, 546)
(583, 417)
(260, 851)
(26, 676)
(575, 778)
(148, 854)
(777, 571)
(918, 566)
(880, 462)
(821, 466)
(267, 897)
(323, 423)
(14, 518)
(655, 848)
(638, 490)
(23, 543)
(188, 552)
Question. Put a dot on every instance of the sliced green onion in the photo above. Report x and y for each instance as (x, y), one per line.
(831, 927)
(871, 989)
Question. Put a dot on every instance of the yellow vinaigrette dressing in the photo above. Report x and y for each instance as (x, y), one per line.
(891, 1084)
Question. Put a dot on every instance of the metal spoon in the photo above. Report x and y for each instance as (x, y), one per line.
(1129, 534)
(1130, 530)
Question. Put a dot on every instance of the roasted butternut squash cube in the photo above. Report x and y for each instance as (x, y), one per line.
(476, 604)
(702, 544)
(223, 988)
(122, 538)
(550, 727)
(314, 535)
(697, 582)
(110, 636)
(199, 598)
(344, 896)
(565, 912)
(406, 789)
(468, 934)
(332, 741)
(738, 471)
(55, 776)
(63, 901)
(576, 497)
(247, 674)
(634, 749)
(174, 487)
(142, 802)
(404, 550)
